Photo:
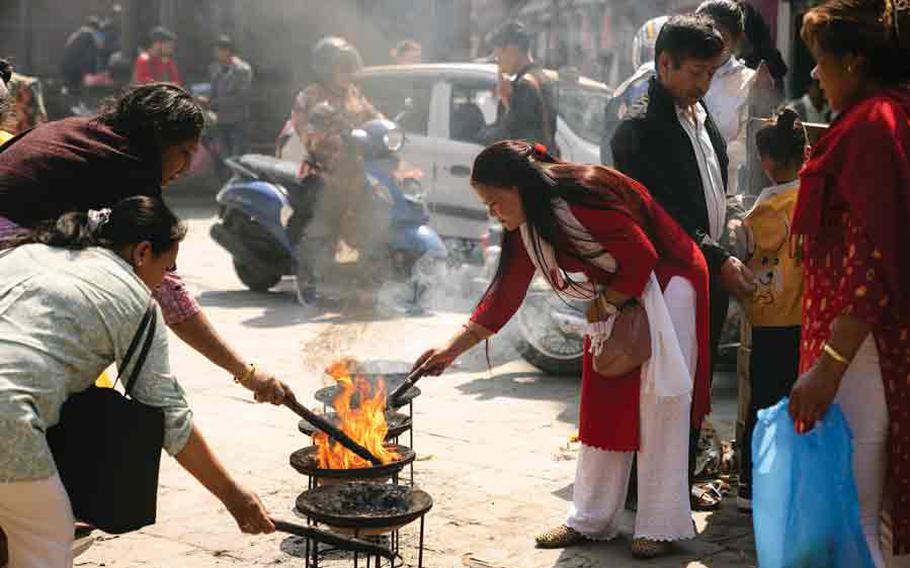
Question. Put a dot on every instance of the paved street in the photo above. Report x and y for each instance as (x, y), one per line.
(492, 445)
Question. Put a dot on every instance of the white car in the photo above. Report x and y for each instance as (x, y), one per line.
(449, 104)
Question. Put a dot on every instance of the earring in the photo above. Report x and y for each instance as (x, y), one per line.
(850, 69)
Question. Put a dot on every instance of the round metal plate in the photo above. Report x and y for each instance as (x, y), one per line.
(397, 422)
(308, 503)
(304, 461)
(327, 394)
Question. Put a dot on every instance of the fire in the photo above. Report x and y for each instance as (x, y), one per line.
(365, 424)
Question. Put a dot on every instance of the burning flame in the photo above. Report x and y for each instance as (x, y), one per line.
(365, 424)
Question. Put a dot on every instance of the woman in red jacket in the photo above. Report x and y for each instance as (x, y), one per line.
(565, 219)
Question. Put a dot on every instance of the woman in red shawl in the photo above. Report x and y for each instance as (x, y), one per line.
(565, 219)
(853, 214)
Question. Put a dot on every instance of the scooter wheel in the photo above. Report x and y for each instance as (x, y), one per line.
(255, 279)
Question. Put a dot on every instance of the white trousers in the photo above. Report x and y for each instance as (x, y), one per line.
(602, 477)
(38, 521)
(862, 398)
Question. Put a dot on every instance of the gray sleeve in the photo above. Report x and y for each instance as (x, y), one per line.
(156, 386)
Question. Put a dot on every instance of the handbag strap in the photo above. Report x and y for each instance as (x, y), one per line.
(147, 324)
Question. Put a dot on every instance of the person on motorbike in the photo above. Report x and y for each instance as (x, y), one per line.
(322, 115)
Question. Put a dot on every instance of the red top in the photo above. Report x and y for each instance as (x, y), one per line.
(609, 406)
(854, 209)
(152, 69)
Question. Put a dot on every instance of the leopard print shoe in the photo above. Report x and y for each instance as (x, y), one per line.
(559, 537)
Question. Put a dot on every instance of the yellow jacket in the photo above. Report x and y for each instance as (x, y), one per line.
(777, 302)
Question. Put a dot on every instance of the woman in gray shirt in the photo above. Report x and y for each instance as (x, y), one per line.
(71, 298)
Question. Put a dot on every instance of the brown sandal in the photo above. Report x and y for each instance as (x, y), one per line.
(645, 548)
(559, 537)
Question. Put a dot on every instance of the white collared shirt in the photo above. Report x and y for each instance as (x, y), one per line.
(708, 166)
(728, 102)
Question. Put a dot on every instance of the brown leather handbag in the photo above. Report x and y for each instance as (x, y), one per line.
(629, 345)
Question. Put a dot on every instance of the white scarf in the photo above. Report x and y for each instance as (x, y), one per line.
(666, 373)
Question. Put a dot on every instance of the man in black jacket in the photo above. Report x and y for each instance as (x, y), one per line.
(669, 142)
(527, 109)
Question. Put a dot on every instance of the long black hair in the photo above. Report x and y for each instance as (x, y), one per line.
(154, 116)
(132, 220)
(539, 179)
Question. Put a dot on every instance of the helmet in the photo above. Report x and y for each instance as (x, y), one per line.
(645, 39)
(330, 52)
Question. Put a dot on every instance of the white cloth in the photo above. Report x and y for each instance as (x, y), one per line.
(38, 521)
(862, 399)
(728, 102)
(665, 373)
(693, 123)
(543, 255)
(602, 477)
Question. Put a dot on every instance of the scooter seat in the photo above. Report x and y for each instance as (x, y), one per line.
(274, 169)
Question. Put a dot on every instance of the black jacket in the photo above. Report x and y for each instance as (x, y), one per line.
(531, 114)
(651, 147)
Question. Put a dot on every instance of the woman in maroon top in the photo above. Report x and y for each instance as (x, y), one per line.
(563, 219)
(853, 213)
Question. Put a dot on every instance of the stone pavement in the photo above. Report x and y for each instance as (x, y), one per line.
(492, 445)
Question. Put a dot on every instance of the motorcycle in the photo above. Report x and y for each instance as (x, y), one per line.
(264, 210)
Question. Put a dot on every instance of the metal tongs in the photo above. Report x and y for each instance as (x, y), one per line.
(334, 432)
(393, 400)
(330, 538)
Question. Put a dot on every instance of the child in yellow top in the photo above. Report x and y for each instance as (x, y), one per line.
(775, 308)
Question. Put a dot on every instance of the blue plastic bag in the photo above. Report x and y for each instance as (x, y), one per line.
(805, 510)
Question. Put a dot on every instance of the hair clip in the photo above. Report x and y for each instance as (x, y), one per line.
(97, 218)
(539, 149)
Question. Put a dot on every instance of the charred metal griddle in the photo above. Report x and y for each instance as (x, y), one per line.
(305, 462)
(397, 422)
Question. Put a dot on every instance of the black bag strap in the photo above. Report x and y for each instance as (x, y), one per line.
(146, 323)
(140, 360)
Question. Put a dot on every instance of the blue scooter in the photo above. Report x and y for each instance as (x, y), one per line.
(264, 210)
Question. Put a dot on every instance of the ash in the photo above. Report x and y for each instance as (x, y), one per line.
(369, 499)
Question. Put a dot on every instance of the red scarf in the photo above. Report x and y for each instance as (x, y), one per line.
(864, 159)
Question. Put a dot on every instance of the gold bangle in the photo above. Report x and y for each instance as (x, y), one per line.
(240, 379)
(832, 352)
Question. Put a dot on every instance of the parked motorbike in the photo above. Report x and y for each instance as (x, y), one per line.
(264, 210)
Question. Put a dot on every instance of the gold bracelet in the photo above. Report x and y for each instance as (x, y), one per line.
(832, 352)
(246, 375)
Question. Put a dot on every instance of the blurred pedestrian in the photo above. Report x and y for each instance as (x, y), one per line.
(80, 54)
(633, 88)
(852, 213)
(774, 310)
(731, 88)
(232, 81)
(527, 98)
(670, 143)
(812, 106)
(142, 141)
(156, 64)
(407, 52)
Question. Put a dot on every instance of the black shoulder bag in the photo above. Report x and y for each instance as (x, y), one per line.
(108, 447)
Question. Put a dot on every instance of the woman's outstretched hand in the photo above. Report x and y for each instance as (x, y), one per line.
(433, 362)
(811, 397)
(266, 388)
(248, 511)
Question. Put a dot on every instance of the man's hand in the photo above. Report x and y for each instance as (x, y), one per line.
(737, 278)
